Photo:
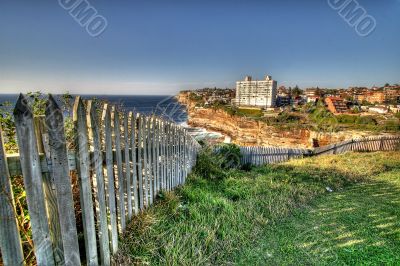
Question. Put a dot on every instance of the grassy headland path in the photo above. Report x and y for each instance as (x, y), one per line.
(278, 215)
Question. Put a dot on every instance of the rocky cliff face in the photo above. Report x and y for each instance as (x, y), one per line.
(249, 132)
(245, 131)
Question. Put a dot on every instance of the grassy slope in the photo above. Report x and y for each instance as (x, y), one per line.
(276, 215)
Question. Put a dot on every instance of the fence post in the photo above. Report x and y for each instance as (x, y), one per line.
(134, 160)
(120, 174)
(140, 160)
(153, 153)
(168, 147)
(10, 241)
(176, 139)
(184, 155)
(31, 171)
(163, 156)
(381, 144)
(145, 161)
(158, 155)
(150, 165)
(49, 187)
(62, 182)
(110, 177)
(128, 177)
(100, 195)
(156, 158)
(83, 165)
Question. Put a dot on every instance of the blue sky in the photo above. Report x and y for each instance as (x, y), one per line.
(161, 47)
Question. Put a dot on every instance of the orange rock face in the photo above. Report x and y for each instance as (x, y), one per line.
(249, 132)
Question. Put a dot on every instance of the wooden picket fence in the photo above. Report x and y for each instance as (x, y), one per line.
(122, 160)
(267, 155)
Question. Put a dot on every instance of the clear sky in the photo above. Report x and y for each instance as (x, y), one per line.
(161, 47)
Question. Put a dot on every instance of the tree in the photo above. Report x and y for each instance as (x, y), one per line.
(296, 91)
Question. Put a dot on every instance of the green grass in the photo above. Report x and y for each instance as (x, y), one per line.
(277, 215)
(253, 112)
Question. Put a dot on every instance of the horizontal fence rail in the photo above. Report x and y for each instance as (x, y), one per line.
(122, 161)
(267, 155)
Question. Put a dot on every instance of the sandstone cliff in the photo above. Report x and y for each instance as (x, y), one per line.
(249, 132)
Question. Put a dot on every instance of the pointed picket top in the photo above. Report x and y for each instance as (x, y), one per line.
(52, 104)
(92, 117)
(54, 116)
(104, 113)
(78, 108)
(22, 107)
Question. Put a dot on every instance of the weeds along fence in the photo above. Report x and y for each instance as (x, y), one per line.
(122, 161)
(268, 155)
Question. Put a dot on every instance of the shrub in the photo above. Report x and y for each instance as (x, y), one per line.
(213, 162)
(250, 112)
(366, 120)
(207, 165)
(246, 167)
(286, 117)
(8, 127)
(346, 119)
(229, 155)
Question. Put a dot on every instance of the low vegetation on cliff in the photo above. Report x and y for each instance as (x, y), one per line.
(311, 116)
(277, 215)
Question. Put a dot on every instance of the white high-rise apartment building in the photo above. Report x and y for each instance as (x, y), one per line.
(258, 93)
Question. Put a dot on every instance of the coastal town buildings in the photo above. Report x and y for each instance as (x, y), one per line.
(378, 109)
(312, 92)
(336, 105)
(379, 97)
(392, 94)
(256, 93)
(264, 94)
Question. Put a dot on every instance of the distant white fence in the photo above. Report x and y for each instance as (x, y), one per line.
(267, 155)
(122, 160)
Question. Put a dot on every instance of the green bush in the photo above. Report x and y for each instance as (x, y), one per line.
(207, 165)
(229, 155)
(214, 162)
(250, 112)
(346, 119)
(8, 127)
(366, 120)
(286, 117)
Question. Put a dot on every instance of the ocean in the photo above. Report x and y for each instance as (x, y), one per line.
(161, 105)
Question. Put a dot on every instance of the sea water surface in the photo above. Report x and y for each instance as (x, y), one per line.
(166, 106)
(162, 105)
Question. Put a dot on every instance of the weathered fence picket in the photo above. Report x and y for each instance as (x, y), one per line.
(140, 161)
(33, 182)
(127, 163)
(83, 164)
(11, 248)
(49, 186)
(97, 162)
(134, 163)
(120, 174)
(112, 209)
(62, 183)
